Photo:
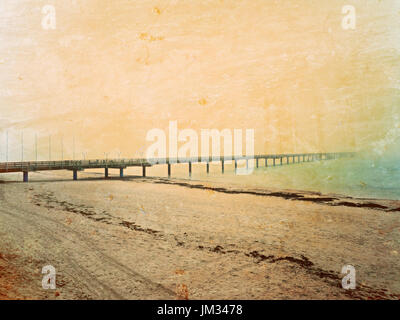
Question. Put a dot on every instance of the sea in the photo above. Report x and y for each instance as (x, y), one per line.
(360, 177)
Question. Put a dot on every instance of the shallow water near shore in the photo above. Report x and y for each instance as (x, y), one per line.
(351, 177)
(357, 177)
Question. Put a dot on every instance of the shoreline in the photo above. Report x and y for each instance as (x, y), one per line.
(327, 198)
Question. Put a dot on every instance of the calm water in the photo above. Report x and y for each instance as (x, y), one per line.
(379, 178)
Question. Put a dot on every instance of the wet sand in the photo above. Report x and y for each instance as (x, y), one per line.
(153, 238)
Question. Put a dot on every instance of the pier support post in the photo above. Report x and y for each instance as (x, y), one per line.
(144, 171)
(75, 174)
(257, 163)
(247, 164)
(169, 170)
(190, 169)
(287, 160)
(222, 166)
(25, 176)
(121, 172)
(281, 160)
(235, 166)
(274, 162)
(266, 162)
(105, 172)
(208, 167)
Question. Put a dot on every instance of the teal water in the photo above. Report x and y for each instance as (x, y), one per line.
(356, 177)
(353, 177)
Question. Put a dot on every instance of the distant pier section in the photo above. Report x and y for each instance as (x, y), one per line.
(79, 165)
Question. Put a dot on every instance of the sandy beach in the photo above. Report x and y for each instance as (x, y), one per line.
(154, 238)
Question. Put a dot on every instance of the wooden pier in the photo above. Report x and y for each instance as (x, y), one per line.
(121, 164)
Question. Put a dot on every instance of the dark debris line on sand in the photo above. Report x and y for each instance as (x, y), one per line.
(331, 201)
(332, 278)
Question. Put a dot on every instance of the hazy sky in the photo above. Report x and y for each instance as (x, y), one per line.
(113, 70)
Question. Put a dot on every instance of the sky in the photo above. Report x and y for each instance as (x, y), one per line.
(111, 71)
